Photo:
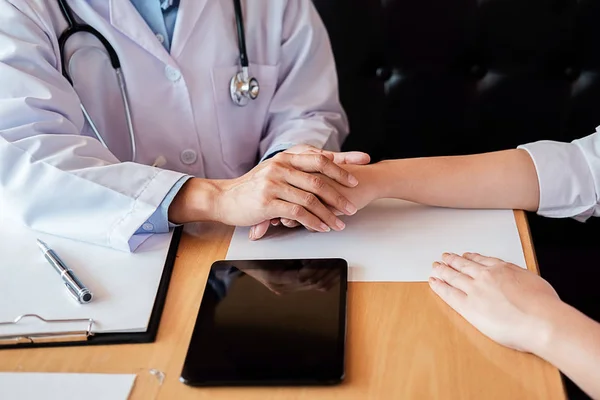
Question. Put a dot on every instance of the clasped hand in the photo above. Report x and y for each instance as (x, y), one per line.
(301, 184)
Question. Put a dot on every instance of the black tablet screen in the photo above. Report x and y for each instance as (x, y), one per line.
(272, 322)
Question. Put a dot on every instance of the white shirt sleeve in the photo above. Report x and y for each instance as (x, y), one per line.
(569, 176)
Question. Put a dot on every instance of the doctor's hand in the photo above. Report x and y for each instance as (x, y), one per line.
(510, 305)
(339, 158)
(282, 187)
(361, 195)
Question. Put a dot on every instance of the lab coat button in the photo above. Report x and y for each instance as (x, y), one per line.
(172, 74)
(188, 156)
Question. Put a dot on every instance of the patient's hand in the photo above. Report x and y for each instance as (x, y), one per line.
(361, 195)
(510, 305)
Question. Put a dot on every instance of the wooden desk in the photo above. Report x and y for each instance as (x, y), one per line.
(403, 343)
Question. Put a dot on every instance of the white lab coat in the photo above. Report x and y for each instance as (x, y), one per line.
(57, 178)
(568, 176)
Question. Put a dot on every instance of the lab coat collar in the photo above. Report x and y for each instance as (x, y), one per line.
(125, 18)
(188, 15)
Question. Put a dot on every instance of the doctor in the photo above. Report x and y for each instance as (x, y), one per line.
(155, 116)
(508, 304)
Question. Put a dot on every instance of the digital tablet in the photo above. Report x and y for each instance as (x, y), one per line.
(270, 322)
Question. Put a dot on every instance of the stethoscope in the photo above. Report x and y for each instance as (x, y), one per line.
(242, 87)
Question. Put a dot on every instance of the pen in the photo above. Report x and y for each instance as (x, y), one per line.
(73, 284)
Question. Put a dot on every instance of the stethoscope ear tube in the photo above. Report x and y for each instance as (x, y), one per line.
(74, 27)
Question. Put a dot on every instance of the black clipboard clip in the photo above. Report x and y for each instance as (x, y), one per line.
(47, 337)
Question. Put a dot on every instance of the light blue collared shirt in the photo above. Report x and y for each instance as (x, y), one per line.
(161, 16)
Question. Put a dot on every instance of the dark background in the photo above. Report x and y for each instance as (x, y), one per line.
(438, 77)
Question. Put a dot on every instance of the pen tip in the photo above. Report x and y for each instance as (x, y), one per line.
(42, 245)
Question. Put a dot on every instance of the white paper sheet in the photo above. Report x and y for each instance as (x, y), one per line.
(124, 285)
(54, 386)
(393, 240)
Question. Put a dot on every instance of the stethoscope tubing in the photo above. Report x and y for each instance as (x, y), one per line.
(75, 27)
(239, 23)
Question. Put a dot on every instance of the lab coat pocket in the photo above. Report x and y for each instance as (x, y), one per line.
(241, 128)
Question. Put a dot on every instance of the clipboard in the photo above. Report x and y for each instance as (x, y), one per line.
(87, 336)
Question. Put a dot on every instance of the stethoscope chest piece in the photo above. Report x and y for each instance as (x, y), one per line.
(243, 89)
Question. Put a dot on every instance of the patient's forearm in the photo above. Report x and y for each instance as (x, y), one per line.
(505, 179)
(572, 344)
